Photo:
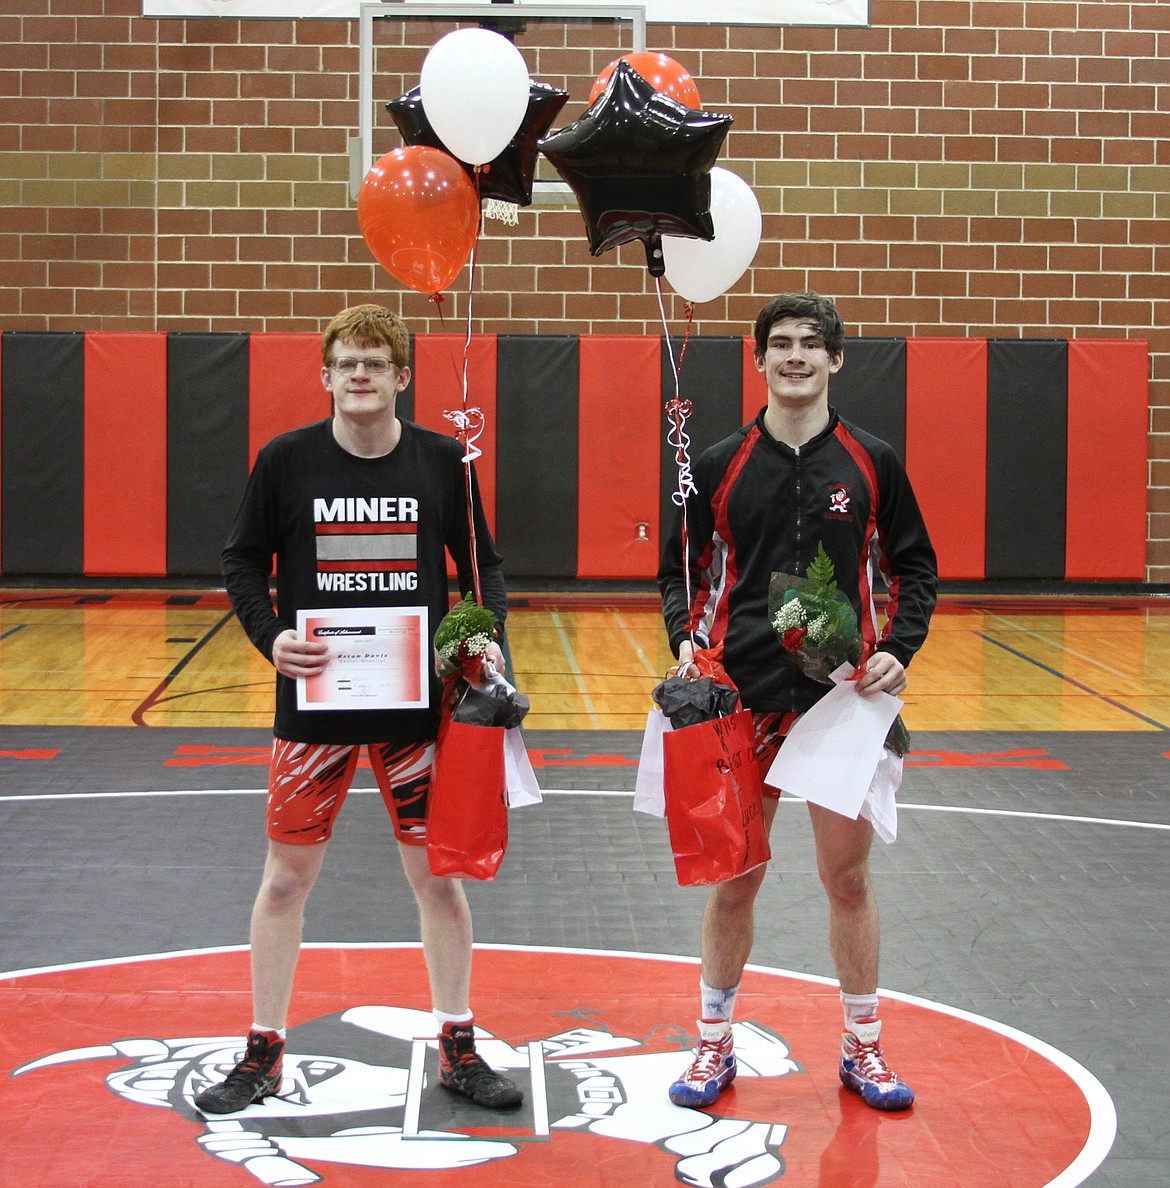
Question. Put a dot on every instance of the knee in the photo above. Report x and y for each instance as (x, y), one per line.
(848, 886)
(435, 893)
(738, 893)
(286, 887)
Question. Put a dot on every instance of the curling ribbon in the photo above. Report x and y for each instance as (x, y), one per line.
(469, 422)
(678, 411)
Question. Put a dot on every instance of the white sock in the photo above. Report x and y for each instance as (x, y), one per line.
(859, 1008)
(717, 1004)
(442, 1018)
(280, 1031)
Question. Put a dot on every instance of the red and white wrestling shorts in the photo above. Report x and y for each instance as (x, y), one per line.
(770, 731)
(308, 782)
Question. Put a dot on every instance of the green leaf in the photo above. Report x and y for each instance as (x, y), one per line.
(820, 572)
(465, 619)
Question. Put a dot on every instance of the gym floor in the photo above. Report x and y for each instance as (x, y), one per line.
(1023, 912)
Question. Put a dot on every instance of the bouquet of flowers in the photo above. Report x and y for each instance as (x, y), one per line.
(818, 628)
(815, 621)
(477, 693)
(463, 637)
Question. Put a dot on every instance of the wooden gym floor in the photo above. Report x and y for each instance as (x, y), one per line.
(587, 661)
(1027, 885)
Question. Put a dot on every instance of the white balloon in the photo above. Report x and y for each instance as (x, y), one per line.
(700, 269)
(474, 87)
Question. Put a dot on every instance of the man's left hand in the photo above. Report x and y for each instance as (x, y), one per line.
(884, 673)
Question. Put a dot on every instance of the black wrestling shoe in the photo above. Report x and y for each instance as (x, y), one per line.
(256, 1077)
(463, 1070)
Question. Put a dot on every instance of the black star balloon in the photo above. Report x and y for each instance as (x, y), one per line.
(509, 176)
(639, 163)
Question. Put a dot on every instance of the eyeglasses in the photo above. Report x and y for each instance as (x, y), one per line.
(375, 365)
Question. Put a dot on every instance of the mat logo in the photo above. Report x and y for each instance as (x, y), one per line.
(367, 1096)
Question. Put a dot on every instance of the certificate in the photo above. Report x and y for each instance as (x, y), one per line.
(831, 754)
(379, 658)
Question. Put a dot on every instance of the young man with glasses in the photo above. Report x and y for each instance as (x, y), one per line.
(359, 511)
(767, 496)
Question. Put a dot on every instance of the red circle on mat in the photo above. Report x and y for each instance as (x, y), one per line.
(93, 1051)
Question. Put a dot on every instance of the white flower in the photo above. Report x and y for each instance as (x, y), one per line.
(818, 629)
(791, 614)
(476, 645)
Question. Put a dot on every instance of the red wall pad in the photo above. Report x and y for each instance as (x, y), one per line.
(946, 447)
(1108, 426)
(284, 386)
(125, 522)
(755, 387)
(620, 421)
(438, 387)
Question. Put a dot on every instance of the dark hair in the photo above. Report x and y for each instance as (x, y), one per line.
(811, 307)
(369, 326)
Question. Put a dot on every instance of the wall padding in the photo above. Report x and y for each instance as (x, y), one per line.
(1028, 456)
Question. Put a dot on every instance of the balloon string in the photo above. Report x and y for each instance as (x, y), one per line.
(677, 411)
(469, 422)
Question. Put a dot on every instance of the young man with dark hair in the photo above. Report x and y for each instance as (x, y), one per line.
(766, 497)
(359, 511)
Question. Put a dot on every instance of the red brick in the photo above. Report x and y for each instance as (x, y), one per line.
(1047, 284)
(969, 148)
(993, 285)
(216, 139)
(1131, 98)
(1050, 69)
(209, 303)
(216, 85)
(1050, 123)
(1131, 151)
(1078, 151)
(997, 69)
(836, 119)
(266, 140)
(183, 59)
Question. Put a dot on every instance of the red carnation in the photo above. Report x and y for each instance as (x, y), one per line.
(793, 638)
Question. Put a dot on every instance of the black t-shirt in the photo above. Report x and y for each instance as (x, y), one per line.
(347, 531)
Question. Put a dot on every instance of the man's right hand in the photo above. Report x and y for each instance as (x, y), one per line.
(295, 657)
(685, 667)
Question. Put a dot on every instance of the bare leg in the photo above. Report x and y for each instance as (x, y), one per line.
(278, 917)
(729, 920)
(445, 922)
(854, 928)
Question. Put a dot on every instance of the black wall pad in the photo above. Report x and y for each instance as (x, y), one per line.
(870, 389)
(42, 468)
(1027, 439)
(207, 446)
(536, 455)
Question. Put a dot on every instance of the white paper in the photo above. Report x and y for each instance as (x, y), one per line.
(880, 808)
(379, 658)
(520, 786)
(831, 754)
(649, 790)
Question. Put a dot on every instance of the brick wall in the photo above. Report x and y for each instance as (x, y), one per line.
(959, 168)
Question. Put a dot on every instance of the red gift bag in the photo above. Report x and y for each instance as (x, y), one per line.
(467, 818)
(714, 800)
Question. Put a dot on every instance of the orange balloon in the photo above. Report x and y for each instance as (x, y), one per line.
(419, 215)
(662, 73)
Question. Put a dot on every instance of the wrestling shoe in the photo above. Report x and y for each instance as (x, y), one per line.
(463, 1070)
(864, 1070)
(255, 1077)
(712, 1069)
